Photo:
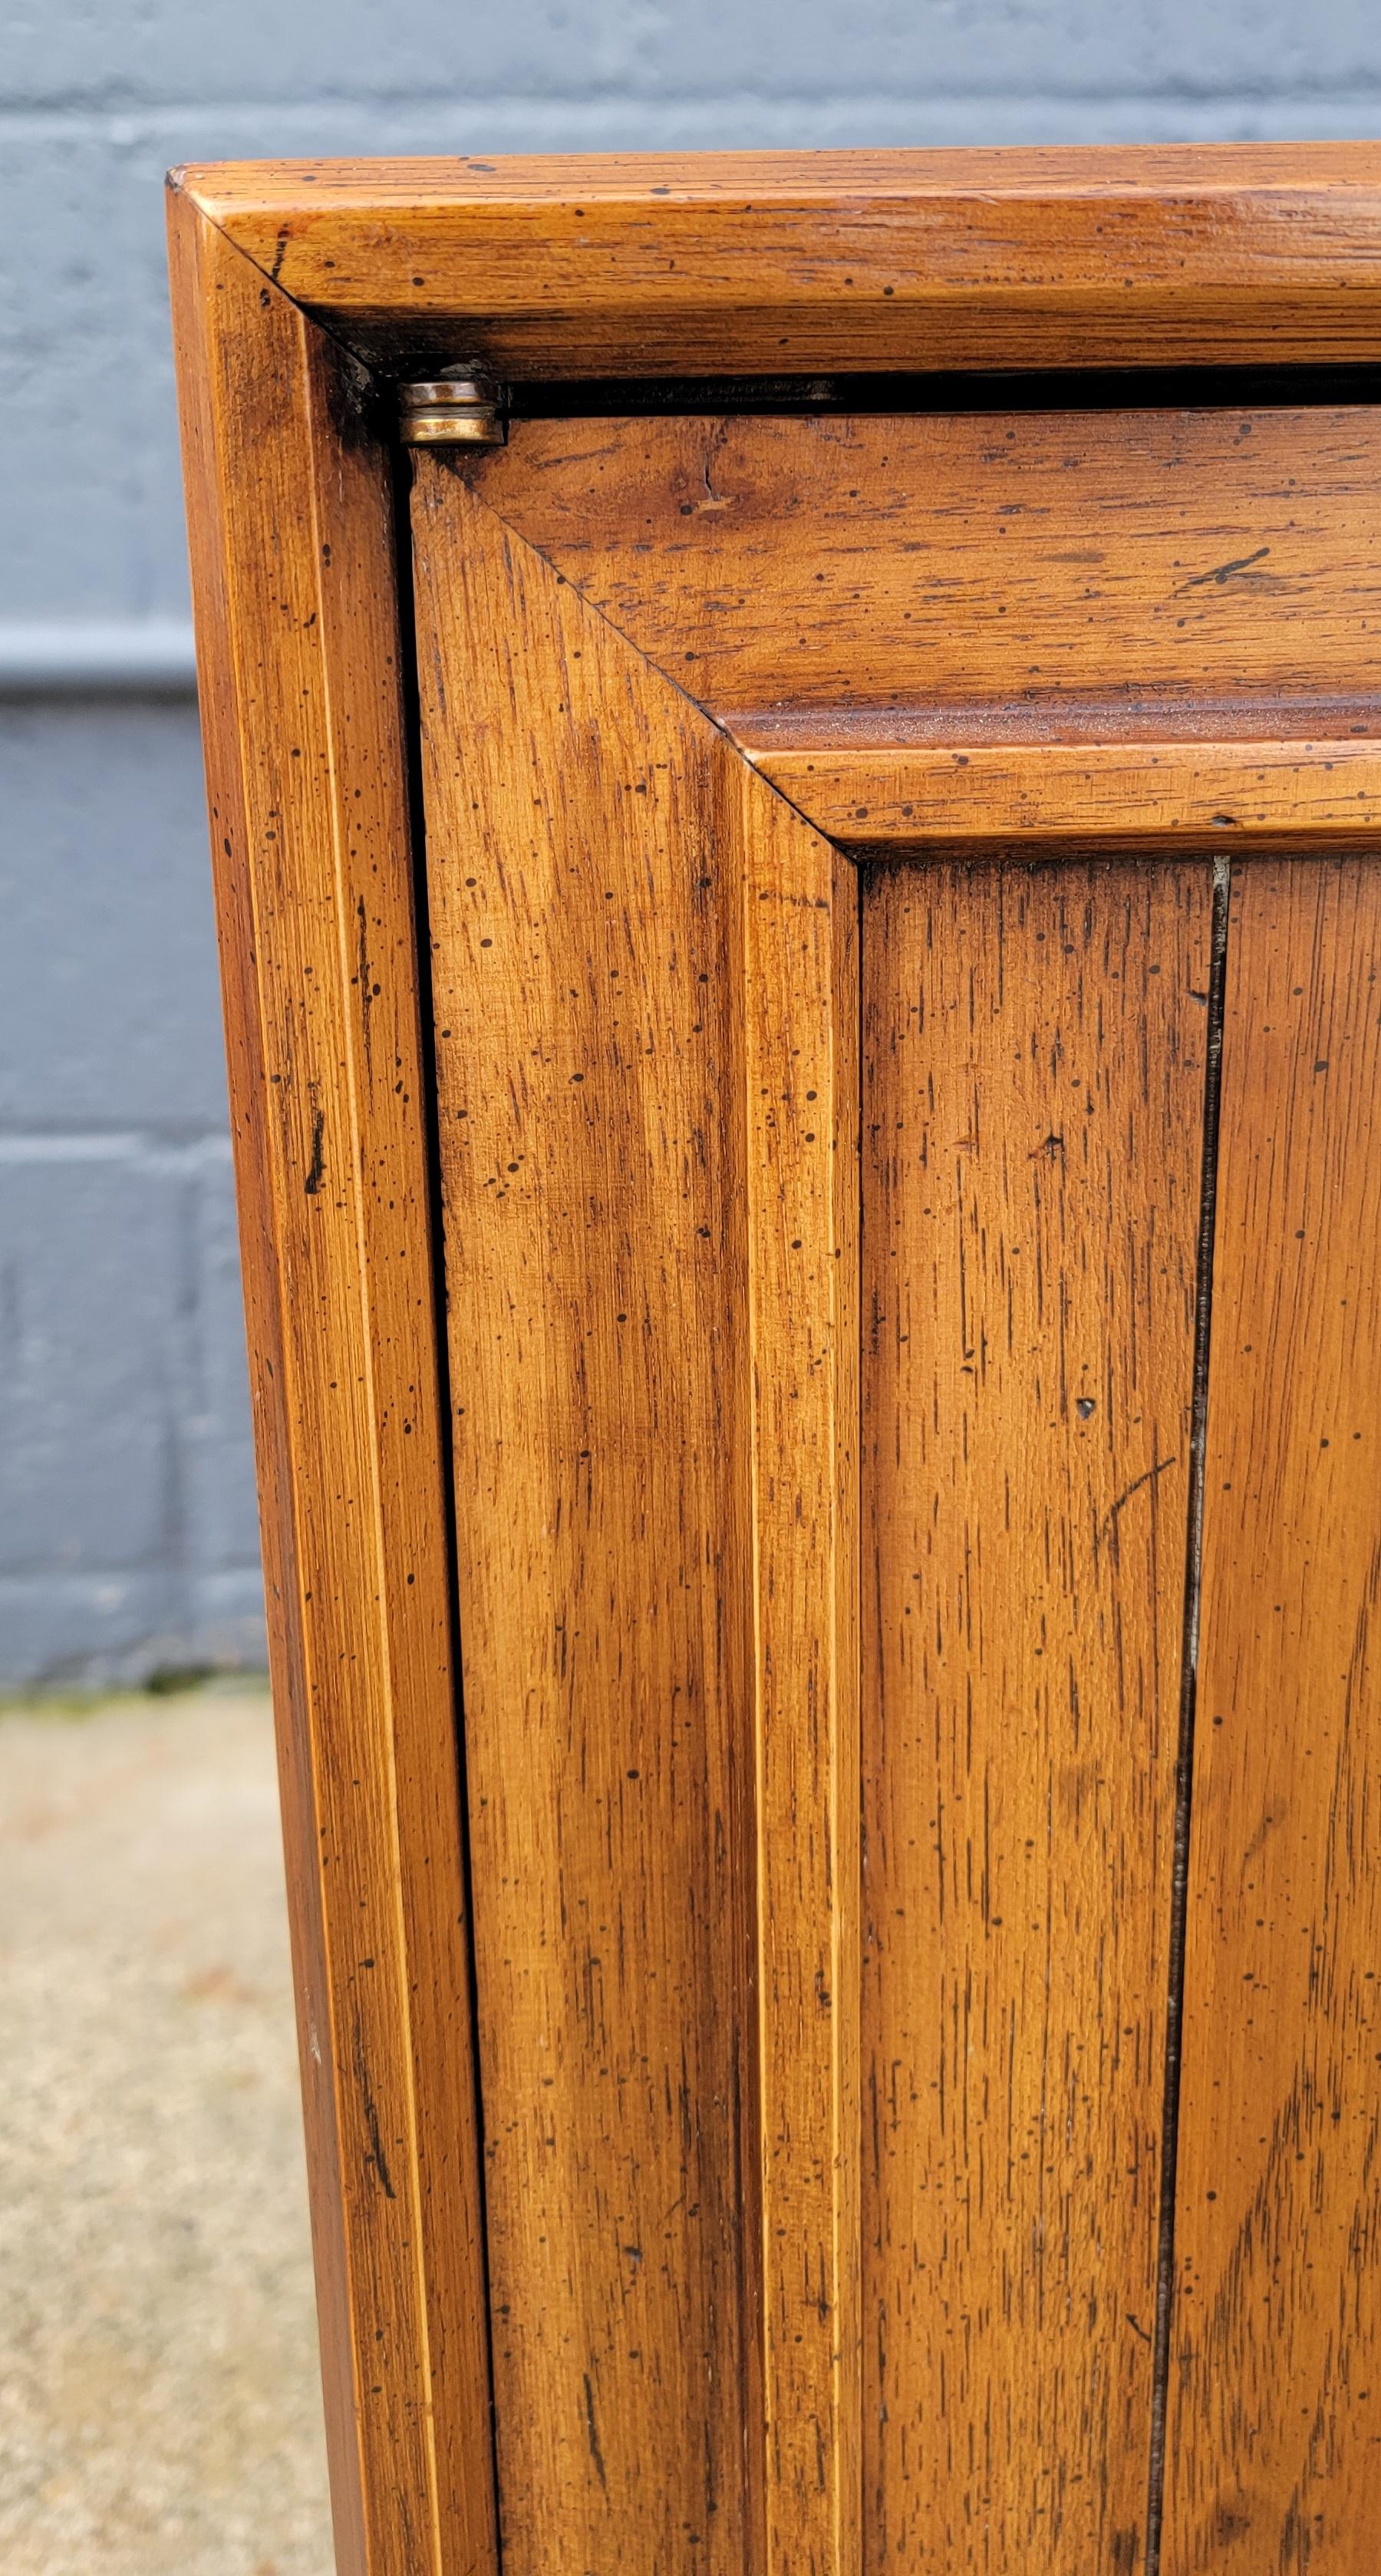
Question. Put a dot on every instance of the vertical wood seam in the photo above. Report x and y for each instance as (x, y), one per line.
(1189, 1678)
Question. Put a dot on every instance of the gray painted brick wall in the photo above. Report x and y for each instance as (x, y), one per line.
(127, 1536)
(127, 1528)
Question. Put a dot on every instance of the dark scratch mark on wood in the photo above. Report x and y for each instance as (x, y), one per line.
(1135, 1487)
(593, 2436)
(317, 1167)
(376, 2156)
(1224, 572)
(367, 990)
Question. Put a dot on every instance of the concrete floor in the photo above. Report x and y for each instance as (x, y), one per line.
(159, 2404)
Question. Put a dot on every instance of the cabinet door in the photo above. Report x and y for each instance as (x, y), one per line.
(905, 1000)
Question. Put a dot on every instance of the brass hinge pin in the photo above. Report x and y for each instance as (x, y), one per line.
(449, 410)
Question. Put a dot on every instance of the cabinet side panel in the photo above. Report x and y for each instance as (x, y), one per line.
(1274, 2456)
(1034, 1045)
(584, 859)
(297, 636)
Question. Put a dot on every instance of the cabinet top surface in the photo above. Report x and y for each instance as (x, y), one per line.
(720, 178)
(562, 266)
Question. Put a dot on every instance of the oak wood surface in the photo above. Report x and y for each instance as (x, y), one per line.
(1034, 1044)
(625, 264)
(1275, 2447)
(965, 579)
(299, 668)
(802, 997)
(647, 1107)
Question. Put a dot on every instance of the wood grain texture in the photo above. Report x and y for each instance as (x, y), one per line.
(822, 2174)
(626, 264)
(298, 655)
(963, 580)
(1275, 2444)
(646, 1099)
(1033, 1091)
(1049, 794)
